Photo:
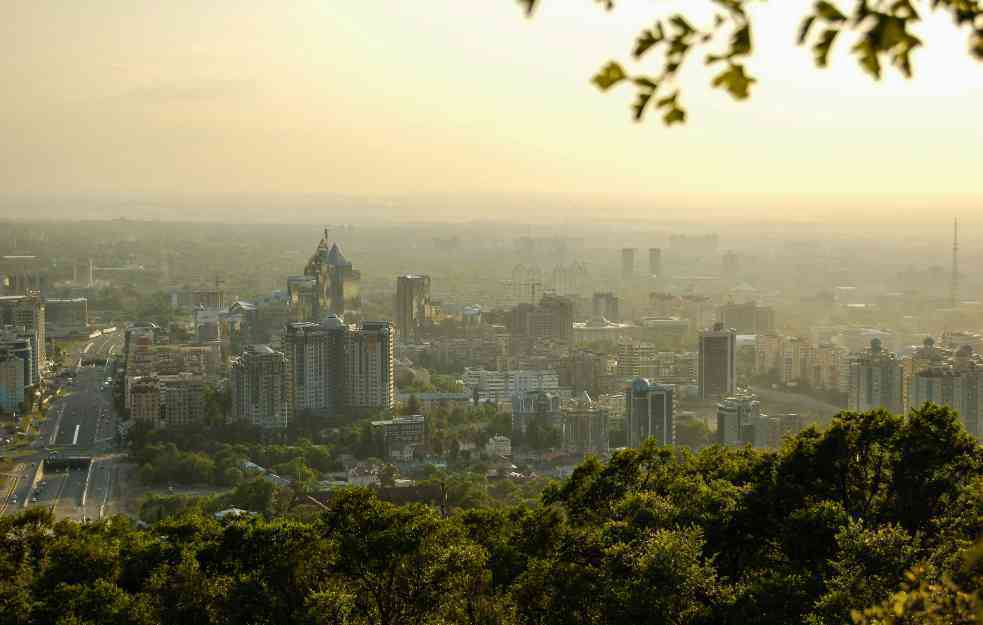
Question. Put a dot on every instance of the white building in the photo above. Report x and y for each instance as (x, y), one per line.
(499, 446)
(500, 386)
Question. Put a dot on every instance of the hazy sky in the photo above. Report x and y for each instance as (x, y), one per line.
(420, 103)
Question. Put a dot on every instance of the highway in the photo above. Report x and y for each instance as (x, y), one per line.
(82, 423)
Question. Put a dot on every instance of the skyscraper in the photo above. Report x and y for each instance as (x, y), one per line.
(336, 284)
(413, 307)
(370, 367)
(876, 380)
(628, 263)
(258, 379)
(718, 363)
(316, 362)
(649, 413)
(655, 261)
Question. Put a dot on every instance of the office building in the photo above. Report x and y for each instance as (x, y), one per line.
(413, 306)
(316, 360)
(655, 261)
(717, 363)
(585, 427)
(876, 380)
(747, 318)
(258, 379)
(649, 413)
(13, 381)
(628, 263)
(736, 419)
(400, 437)
(27, 312)
(606, 306)
(370, 367)
(539, 406)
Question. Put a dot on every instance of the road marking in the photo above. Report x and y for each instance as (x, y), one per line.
(75, 439)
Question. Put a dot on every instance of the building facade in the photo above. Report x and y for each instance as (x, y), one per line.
(876, 381)
(27, 311)
(258, 380)
(371, 366)
(414, 308)
(649, 413)
(717, 363)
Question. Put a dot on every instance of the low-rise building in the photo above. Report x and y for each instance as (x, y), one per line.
(400, 437)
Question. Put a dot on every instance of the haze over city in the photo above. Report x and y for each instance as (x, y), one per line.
(439, 111)
(512, 312)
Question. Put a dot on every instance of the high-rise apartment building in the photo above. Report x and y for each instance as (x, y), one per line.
(413, 306)
(182, 399)
(718, 363)
(628, 263)
(957, 383)
(316, 360)
(649, 413)
(258, 379)
(27, 311)
(876, 380)
(370, 366)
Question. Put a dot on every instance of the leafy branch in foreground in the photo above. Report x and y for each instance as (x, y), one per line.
(882, 31)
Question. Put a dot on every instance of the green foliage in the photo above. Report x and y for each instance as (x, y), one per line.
(877, 520)
(882, 31)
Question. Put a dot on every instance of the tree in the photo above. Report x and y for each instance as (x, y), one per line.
(882, 32)
(402, 565)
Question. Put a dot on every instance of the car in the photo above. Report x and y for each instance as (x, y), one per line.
(13, 499)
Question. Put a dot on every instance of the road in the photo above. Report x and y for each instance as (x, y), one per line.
(82, 423)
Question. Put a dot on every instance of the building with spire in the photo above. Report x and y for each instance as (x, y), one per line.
(330, 284)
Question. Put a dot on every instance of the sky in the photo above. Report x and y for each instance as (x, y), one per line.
(460, 109)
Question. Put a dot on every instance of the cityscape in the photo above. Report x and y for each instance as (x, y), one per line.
(374, 314)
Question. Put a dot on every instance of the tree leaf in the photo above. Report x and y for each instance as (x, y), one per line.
(530, 5)
(823, 46)
(681, 24)
(641, 102)
(610, 75)
(868, 57)
(647, 39)
(829, 12)
(740, 42)
(735, 81)
(804, 28)
(674, 116)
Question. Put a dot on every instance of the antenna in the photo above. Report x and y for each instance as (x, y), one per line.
(954, 287)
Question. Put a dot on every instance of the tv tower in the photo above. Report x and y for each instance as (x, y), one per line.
(954, 287)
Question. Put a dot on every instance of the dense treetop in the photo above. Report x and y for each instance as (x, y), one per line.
(874, 520)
